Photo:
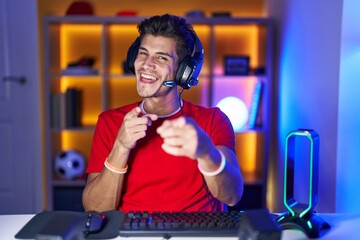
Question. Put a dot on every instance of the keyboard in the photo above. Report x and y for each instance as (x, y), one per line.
(177, 224)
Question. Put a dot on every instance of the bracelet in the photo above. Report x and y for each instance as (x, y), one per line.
(115, 169)
(217, 171)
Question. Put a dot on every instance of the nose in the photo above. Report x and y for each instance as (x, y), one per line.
(149, 63)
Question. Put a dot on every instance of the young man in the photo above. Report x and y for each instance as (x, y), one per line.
(163, 154)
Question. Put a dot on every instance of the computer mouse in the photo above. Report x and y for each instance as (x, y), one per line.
(93, 221)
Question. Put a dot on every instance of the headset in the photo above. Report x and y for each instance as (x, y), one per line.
(189, 68)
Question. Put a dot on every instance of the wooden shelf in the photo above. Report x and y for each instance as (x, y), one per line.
(68, 183)
(252, 178)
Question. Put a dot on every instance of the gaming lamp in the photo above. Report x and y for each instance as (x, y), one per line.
(301, 215)
(236, 110)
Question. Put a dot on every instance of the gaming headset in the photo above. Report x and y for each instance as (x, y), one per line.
(189, 68)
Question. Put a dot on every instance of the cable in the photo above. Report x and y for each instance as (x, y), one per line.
(207, 193)
(181, 104)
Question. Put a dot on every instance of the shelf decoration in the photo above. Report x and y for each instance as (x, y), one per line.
(66, 109)
(240, 99)
(236, 65)
(81, 67)
(80, 8)
(69, 164)
(254, 113)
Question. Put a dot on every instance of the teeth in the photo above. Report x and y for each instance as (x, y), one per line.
(148, 77)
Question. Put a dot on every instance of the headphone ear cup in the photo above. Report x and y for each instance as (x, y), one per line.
(188, 72)
(131, 56)
(183, 72)
(189, 68)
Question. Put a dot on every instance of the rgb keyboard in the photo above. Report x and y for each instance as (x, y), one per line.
(166, 224)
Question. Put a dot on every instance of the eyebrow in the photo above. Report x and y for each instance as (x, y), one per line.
(160, 53)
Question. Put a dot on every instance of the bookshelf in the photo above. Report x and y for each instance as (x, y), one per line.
(106, 39)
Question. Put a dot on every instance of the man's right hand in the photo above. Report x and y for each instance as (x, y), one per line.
(134, 127)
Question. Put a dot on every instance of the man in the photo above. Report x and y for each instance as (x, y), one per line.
(163, 154)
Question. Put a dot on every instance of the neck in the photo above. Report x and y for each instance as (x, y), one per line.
(162, 110)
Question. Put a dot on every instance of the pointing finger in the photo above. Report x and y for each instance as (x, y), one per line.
(152, 117)
(179, 122)
(134, 112)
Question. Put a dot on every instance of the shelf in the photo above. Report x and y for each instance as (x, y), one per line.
(75, 129)
(251, 178)
(68, 183)
(135, 20)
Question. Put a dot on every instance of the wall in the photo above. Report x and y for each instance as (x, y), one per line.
(317, 71)
(348, 164)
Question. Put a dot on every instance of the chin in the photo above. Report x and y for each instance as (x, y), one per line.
(142, 93)
(148, 91)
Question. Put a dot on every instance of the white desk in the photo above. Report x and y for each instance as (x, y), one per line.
(343, 227)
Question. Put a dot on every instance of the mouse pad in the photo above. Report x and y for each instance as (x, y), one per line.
(110, 227)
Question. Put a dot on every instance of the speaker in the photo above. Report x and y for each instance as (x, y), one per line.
(189, 68)
(259, 224)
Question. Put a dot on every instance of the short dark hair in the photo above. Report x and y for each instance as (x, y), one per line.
(171, 26)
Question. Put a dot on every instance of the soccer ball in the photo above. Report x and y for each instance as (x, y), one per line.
(69, 164)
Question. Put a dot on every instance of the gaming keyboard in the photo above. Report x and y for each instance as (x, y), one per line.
(175, 224)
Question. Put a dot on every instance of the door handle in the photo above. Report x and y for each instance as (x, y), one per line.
(21, 80)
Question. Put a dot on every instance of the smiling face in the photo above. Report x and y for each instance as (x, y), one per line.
(156, 62)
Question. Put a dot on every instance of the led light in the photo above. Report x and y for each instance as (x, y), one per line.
(236, 110)
(294, 207)
(309, 224)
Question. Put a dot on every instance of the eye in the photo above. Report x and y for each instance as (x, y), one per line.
(142, 53)
(162, 58)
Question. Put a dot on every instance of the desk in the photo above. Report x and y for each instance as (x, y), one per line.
(343, 227)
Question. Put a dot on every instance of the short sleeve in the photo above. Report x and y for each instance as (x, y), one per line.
(222, 132)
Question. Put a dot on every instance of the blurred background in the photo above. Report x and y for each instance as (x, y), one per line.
(273, 66)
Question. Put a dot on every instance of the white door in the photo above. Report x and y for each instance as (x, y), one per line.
(21, 171)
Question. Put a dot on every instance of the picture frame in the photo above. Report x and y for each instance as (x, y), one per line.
(235, 65)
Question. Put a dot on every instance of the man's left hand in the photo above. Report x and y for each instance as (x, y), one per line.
(183, 137)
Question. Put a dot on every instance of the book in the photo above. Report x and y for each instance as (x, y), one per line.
(58, 111)
(254, 107)
(55, 111)
(73, 108)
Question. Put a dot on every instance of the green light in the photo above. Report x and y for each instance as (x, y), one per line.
(285, 180)
(290, 137)
(279, 220)
(309, 224)
(297, 163)
(311, 175)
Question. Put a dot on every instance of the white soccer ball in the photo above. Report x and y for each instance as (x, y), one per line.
(69, 164)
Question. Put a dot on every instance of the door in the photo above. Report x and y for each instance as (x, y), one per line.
(21, 171)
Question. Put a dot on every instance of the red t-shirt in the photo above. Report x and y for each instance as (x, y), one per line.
(155, 180)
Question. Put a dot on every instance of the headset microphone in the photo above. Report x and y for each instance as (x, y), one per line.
(170, 83)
